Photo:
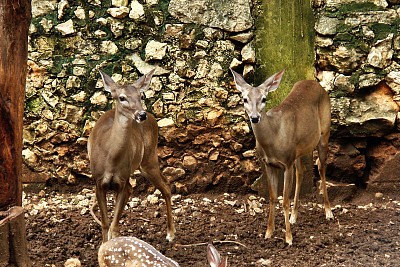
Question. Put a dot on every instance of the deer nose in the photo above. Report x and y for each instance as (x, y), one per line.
(255, 119)
(142, 115)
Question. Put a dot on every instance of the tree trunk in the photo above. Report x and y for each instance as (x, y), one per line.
(14, 24)
(14, 20)
(285, 39)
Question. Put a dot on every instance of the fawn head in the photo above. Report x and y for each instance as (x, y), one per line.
(255, 98)
(128, 97)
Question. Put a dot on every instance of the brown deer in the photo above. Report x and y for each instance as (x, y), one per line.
(130, 251)
(286, 133)
(123, 140)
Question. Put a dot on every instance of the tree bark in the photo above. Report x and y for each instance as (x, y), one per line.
(14, 24)
(285, 39)
(15, 16)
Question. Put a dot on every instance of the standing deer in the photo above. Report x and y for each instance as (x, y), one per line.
(123, 140)
(130, 251)
(286, 133)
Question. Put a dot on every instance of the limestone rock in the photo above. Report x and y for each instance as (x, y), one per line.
(109, 47)
(40, 8)
(344, 85)
(173, 173)
(326, 25)
(137, 10)
(145, 67)
(80, 13)
(152, 2)
(235, 63)
(385, 157)
(346, 59)
(243, 37)
(72, 262)
(166, 122)
(229, 15)
(62, 6)
(337, 3)
(381, 54)
(119, 3)
(372, 115)
(323, 41)
(345, 162)
(66, 28)
(155, 50)
(368, 80)
(73, 82)
(393, 81)
(326, 80)
(248, 54)
(189, 162)
(118, 12)
(99, 99)
(29, 156)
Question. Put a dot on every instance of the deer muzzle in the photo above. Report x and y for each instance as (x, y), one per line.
(142, 116)
(255, 119)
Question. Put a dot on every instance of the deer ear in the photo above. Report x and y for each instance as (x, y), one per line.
(144, 81)
(109, 84)
(224, 263)
(272, 83)
(213, 257)
(239, 81)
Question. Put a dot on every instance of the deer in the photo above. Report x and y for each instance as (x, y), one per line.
(286, 133)
(124, 139)
(129, 251)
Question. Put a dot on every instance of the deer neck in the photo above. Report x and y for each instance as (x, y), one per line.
(267, 127)
(122, 129)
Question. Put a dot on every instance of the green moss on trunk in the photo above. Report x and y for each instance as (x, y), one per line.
(285, 39)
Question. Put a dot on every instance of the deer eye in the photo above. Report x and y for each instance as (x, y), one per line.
(263, 100)
(122, 98)
(245, 100)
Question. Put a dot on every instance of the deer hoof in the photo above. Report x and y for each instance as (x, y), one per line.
(293, 219)
(268, 234)
(170, 237)
(329, 214)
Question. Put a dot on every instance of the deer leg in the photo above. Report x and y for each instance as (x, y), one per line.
(101, 197)
(288, 176)
(272, 175)
(322, 156)
(299, 180)
(151, 171)
(121, 198)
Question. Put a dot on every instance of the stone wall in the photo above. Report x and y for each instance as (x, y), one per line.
(204, 136)
(357, 61)
(205, 139)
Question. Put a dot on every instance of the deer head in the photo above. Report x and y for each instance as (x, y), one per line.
(255, 98)
(127, 97)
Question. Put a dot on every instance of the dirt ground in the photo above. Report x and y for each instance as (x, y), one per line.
(365, 231)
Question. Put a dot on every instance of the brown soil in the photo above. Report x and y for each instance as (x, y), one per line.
(365, 231)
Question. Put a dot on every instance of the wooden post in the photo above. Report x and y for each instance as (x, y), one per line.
(15, 16)
(13, 244)
(285, 39)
